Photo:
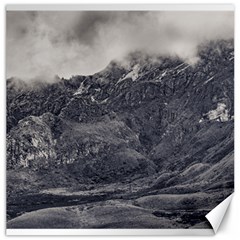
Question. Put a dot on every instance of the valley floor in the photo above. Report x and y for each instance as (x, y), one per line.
(116, 205)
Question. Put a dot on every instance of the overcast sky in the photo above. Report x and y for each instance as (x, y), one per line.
(44, 44)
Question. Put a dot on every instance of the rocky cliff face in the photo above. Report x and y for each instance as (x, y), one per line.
(144, 117)
(30, 144)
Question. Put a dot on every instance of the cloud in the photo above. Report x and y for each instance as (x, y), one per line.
(80, 43)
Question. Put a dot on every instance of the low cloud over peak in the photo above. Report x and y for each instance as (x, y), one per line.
(73, 43)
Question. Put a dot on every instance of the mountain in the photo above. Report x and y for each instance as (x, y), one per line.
(142, 131)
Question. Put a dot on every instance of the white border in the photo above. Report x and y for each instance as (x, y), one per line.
(231, 221)
(121, 7)
(110, 232)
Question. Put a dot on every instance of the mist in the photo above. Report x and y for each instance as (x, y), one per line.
(44, 44)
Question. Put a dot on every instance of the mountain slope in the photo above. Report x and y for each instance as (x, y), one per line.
(158, 124)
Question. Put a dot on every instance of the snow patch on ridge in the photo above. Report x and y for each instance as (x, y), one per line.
(134, 74)
(81, 89)
(220, 114)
